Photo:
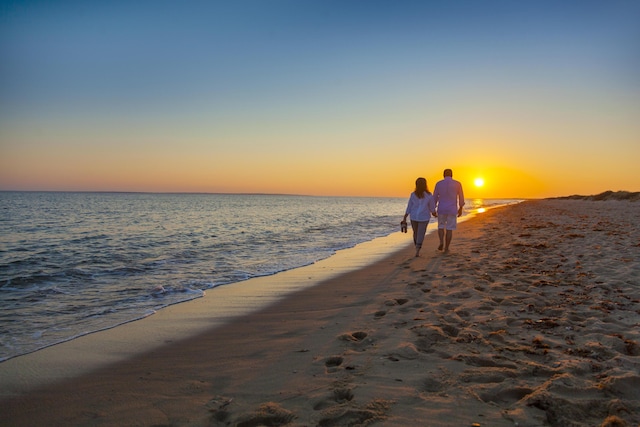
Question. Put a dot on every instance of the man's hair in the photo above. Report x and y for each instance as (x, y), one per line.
(448, 172)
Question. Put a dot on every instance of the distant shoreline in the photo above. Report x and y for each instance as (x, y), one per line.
(607, 195)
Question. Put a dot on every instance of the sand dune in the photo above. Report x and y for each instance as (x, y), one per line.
(607, 195)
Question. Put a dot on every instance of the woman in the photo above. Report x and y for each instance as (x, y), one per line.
(420, 208)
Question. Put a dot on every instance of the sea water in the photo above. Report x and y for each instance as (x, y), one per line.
(76, 263)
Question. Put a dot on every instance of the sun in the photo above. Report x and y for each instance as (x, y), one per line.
(479, 182)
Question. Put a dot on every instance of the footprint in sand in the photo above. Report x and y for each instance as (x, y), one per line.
(506, 396)
(375, 410)
(429, 337)
(430, 385)
(333, 361)
(463, 314)
(486, 375)
(268, 414)
(359, 336)
(339, 396)
(357, 339)
(379, 314)
(405, 351)
(395, 301)
(483, 362)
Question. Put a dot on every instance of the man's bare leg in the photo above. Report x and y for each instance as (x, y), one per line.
(448, 240)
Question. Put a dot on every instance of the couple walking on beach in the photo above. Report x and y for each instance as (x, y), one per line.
(445, 203)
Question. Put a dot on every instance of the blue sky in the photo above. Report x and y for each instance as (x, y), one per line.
(332, 87)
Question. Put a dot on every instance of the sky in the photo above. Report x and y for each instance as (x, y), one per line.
(341, 98)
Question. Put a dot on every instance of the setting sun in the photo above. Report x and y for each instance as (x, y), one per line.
(479, 182)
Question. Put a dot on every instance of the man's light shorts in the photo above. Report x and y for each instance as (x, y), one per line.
(447, 221)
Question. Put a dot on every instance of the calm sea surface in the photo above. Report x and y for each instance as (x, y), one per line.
(76, 263)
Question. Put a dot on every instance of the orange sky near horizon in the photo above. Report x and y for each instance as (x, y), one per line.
(332, 172)
(367, 161)
(321, 98)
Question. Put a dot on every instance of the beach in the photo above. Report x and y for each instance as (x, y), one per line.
(531, 319)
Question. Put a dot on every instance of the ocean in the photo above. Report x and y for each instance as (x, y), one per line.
(76, 263)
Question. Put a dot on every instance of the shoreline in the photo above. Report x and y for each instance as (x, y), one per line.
(532, 319)
(349, 259)
(220, 305)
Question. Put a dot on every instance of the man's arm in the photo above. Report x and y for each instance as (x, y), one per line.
(460, 199)
(436, 194)
(432, 206)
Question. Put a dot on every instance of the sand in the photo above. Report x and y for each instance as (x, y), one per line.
(532, 319)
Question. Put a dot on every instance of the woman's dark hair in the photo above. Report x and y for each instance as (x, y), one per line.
(421, 188)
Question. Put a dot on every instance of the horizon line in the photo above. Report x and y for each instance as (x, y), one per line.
(237, 194)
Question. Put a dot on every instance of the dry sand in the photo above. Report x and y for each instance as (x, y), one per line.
(532, 319)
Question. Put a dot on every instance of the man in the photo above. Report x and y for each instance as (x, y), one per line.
(449, 200)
